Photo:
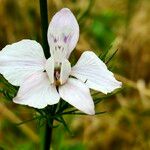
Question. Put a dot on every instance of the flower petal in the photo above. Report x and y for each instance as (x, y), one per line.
(50, 69)
(77, 94)
(65, 71)
(20, 60)
(91, 70)
(37, 92)
(63, 33)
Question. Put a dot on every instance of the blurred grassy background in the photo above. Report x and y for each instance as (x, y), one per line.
(124, 23)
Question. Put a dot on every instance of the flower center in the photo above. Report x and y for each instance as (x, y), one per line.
(57, 77)
(58, 71)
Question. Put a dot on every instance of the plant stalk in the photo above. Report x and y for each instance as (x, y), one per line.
(44, 26)
(48, 136)
(47, 131)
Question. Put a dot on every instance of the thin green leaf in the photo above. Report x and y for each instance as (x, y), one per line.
(100, 99)
(110, 58)
(65, 125)
(69, 112)
(99, 113)
(29, 120)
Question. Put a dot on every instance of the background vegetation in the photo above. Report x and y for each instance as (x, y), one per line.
(105, 26)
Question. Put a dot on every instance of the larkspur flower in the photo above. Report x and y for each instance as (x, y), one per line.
(43, 82)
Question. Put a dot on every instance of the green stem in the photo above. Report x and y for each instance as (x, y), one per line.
(49, 127)
(48, 136)
(47, 133)
(44, 26)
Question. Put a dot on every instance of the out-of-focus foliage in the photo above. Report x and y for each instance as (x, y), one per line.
(125, 25)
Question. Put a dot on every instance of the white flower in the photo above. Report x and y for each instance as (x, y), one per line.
(43, 82)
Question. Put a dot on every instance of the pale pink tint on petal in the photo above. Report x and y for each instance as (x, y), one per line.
(20, 60)
(77, 94)
(91, 70)
(37, 92)
(63, 32)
